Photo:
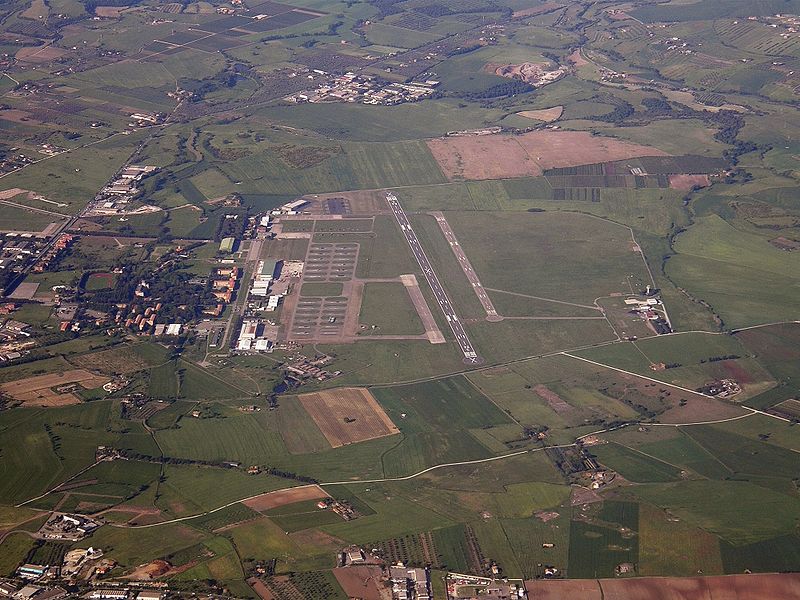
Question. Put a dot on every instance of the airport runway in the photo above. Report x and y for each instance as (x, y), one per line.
(466, 266)
(470, 356)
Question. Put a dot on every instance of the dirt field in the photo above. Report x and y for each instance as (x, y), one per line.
(263, 591)
(752, 587)
(117, 360)
(536, 10)
(358, 202)
(698, 408)
(687, 182)
(504, 156)
(283, 497)
(10, 193)
(577, 59)
(546, 114)
(553, 400)
(17, 116)
(109, 12)
(362, 582)
(35, 391)
(39, 54)
(347, 415)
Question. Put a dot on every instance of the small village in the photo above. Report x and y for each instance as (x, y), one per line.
(362, 89)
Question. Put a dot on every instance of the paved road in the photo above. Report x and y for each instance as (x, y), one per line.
(466, 266)
(470, 356)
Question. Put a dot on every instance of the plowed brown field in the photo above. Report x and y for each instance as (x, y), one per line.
(752, 587)
(36, 391)
(503, 156)
(283, 497)
(347, 415)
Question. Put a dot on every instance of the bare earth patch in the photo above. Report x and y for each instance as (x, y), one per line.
(39, 54)
(545, 114)
(577, 59)
(17, 116)
(362, 582)
(282, 497)
(553, 400)
(108, 12)
(347, 415)
(698, 409)
(37, 391)
(752, 587)
(505, 156)
(536, 10)
(686, 182)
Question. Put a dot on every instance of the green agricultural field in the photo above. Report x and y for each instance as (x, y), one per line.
(751, 281)
(700, 485)
(189, 490)
(321, 289)
(152, 542)
(42, 448)
(596, 551)
(403, 122)
(351, 166)
(737, 511)
(669, 545)
(635, 466)
(433, 418)
(74, 178)
(15, 218)
(245, 437)
(263, 540)
(13, 551)
(578, 258)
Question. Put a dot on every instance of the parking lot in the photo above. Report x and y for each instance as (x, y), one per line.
(318, 318)
(330, 262)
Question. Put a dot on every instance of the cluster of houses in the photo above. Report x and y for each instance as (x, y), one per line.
(223, 285)
(18, 249)
(15, 338)
(61, 243)
(136, 316)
